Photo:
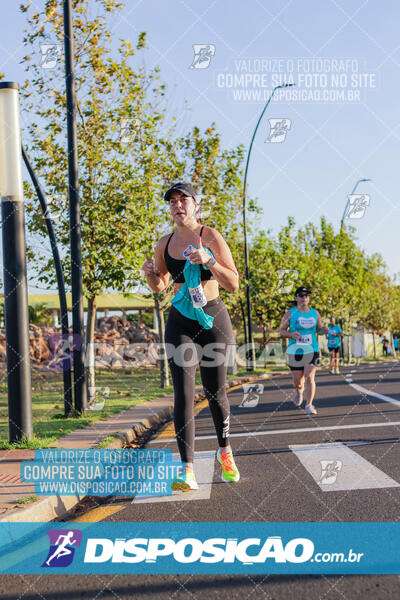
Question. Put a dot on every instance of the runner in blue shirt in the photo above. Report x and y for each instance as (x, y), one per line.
(334, 335)
(300, 324)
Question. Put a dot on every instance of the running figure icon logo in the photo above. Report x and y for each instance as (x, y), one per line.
(357, 206)
(251, 395)
(62, 542)
(51, 52)
(330, 470)
(287, 277)
(202, 55)
(129, 128)
(97, 397)
(54, 203)
(278, 129)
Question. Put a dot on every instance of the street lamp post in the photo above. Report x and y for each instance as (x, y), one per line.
(74, 215)
(347, 203)
(14, 260)
(250, 355)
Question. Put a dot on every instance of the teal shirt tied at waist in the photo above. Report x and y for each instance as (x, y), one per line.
(183, 300)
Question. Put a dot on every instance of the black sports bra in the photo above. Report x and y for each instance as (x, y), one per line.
(175, 265)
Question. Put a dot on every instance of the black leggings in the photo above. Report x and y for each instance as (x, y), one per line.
(182, 336)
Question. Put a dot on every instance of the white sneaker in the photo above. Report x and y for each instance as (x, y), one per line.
(310, 409)
(298, 398)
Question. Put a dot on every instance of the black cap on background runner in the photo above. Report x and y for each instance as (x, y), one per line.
(181, 186)
(302, 290)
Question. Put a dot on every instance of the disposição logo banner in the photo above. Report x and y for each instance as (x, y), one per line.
(203, 547)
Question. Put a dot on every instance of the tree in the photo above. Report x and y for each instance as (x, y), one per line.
(274, 267)
(123, 158)
(395, 300)
(381, 307)
(345, 282)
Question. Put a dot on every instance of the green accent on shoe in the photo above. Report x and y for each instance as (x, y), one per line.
(230, 471)
(331, 371)
(337, 372)
(187, 483)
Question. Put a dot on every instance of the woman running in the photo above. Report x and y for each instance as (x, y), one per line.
(188, 324)
(334, 335)
(300, 325)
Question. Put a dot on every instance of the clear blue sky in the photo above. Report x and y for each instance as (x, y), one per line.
(330, 144)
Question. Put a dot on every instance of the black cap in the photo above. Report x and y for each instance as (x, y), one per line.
(302, 290)
(181, 186)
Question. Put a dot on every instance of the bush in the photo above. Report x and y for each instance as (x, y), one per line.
(39, 314)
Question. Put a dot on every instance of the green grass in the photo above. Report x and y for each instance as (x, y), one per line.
(26, 499)
(380, 358)
(110, 438)
(127, 388)
(34, 444)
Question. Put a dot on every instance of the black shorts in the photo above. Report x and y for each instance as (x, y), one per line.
(334, 349)
(297, 362)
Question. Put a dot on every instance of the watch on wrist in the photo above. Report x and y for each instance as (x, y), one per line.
(211, 262)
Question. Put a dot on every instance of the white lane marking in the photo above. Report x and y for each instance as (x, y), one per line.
(364, 390)
(335, 467)
(204, 470)
(281, 431)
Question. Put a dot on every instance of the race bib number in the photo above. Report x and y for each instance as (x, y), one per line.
(305, 340)
(198, 297)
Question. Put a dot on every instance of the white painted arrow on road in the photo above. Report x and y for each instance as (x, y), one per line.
(335, 467)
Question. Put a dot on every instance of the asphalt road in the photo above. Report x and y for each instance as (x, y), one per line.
(275, 485)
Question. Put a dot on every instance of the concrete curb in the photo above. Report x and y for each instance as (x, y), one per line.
(44, 510)
(55, 507)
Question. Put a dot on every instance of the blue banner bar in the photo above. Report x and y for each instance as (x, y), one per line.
(102, 472)
(209, 548)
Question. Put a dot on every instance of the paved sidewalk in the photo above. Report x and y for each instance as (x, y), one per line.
(11, 488)
(130, 424)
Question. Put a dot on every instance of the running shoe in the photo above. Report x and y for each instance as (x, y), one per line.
(331, 371)
(337, 372)
(298, 398)
(230, 471)
(310, 409)
(187, 483)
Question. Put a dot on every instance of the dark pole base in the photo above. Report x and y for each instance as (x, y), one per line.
(16, 320)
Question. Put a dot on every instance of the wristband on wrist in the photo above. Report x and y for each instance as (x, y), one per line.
(211, 262)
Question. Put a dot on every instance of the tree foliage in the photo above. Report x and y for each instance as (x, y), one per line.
(122, 156)
(344, 280)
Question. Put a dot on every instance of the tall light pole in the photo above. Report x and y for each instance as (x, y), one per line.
(14, 259)
(347, 203)
(250, 356)
(74, 215)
